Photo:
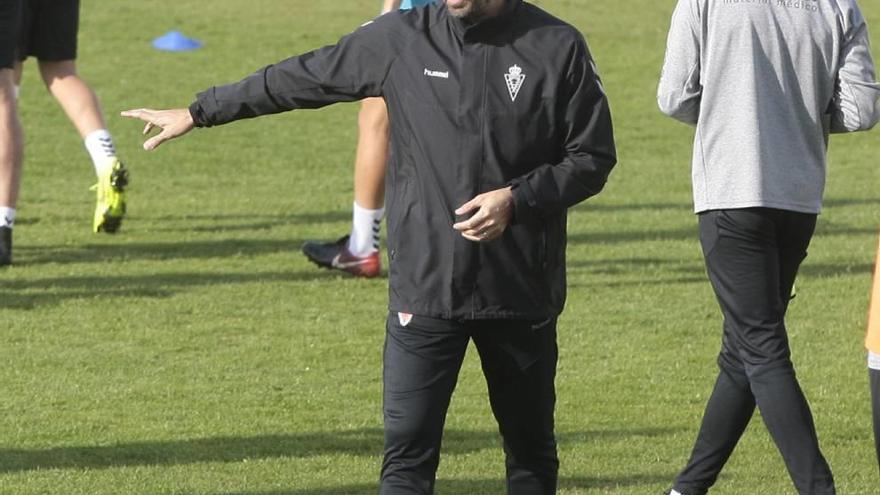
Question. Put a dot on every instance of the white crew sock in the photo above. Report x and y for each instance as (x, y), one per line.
(873, 359)
(102, 150)
(7, 216)
(365, 227)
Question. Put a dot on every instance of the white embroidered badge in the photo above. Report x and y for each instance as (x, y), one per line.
(515, 79)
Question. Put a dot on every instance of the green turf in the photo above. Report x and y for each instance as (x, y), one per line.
(198, 353)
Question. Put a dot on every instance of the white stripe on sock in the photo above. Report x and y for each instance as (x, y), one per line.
(101, 149)
(366, 227)
(7, 217)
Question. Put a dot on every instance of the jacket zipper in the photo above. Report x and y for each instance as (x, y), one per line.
(483, 116)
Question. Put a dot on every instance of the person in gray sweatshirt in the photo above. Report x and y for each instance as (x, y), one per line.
(764, 82)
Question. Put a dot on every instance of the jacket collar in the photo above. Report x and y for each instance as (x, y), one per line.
(468, 31)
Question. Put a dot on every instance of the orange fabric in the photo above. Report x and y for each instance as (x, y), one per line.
(872, 341)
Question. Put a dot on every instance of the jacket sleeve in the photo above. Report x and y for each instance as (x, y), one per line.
(589, 151)
(353, 69)
(680, 90)
(856, 102)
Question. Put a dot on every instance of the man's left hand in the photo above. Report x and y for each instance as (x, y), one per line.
(494, 210)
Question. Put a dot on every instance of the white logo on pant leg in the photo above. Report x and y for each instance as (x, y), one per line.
(404, 318)
(514, 78)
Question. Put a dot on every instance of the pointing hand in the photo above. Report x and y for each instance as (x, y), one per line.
(174, 123)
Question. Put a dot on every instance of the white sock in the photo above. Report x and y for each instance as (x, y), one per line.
(101, 148)
(7, 216)
(673, 492)
(365, 228)
(873, 359)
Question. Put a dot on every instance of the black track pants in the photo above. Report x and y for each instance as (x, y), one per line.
(752, 256)
(421, 364)
(875, 407)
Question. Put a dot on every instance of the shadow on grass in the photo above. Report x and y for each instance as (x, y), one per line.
(470, 487)
(599, 237)
(689, 207)
(823, 270)
(691, 233)
(103, 253)
(606, 207)
(33, 293)
(361, 442)
(624, 265)
(239, 222)
(836, 202)
(656, 271)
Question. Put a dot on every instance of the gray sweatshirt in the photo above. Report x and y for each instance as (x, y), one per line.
(765, 81)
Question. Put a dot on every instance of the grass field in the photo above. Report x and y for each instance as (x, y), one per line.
(197, 352)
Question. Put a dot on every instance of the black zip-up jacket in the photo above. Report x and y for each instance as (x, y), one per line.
(513, 100)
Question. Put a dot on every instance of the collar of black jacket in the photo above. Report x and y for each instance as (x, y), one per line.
(492, 24)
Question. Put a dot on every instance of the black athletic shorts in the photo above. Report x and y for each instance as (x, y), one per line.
(10, 19)
(49, 29)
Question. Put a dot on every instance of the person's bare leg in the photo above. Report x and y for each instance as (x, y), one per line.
(11, 142)
(369, 177)
(83, 109)
(372, 154)
(11, 155)
(358, 253)
(75, 96)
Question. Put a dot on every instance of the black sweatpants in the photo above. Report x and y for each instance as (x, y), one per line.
(874, 376)
(422, 359)
(752, 256)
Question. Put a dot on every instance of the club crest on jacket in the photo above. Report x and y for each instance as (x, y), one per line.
(515, 79)
(404, 318)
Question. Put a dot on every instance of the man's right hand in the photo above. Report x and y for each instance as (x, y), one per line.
(174, 123)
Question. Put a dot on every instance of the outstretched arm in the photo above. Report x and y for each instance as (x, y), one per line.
(353, 69)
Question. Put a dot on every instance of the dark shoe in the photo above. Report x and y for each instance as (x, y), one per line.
(5, 246)
(335, 255)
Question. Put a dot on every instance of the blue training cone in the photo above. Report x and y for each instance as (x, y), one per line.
(175, 41)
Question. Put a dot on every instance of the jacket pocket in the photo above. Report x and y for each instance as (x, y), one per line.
(397, 210)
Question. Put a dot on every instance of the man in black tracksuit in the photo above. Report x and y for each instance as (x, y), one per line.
(499, 123)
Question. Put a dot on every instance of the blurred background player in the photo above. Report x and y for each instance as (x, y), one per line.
(358, 252)
(49, 33)
(872, 342)
(11, 141)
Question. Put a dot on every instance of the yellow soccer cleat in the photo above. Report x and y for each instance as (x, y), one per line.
(110, 204)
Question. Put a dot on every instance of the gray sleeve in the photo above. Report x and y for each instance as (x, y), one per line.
(680, 90)
(856, 103)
